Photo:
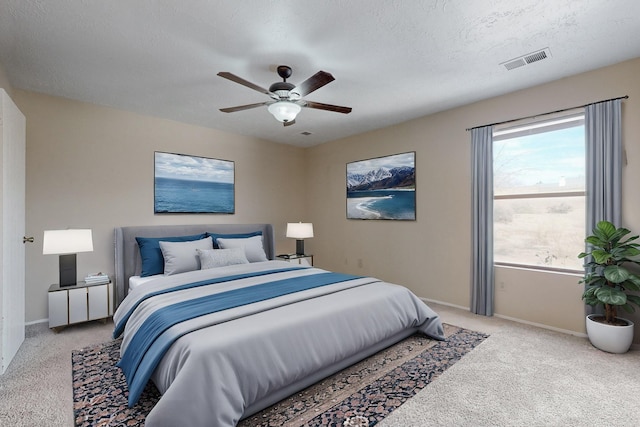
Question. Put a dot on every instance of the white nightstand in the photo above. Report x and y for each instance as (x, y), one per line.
(298, 259)
(79, 303)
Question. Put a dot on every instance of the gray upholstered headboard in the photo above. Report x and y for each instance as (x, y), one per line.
(127, 254)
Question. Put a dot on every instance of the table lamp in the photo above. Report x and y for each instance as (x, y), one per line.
(299, 231)
(67, 243)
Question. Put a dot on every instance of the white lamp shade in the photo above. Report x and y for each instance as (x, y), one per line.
(300, 230)
(60, 242)
(284, 111)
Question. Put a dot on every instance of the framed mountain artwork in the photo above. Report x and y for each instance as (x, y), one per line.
(192, 184)
(382, 188)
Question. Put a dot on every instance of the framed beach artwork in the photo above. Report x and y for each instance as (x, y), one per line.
(192, 184)
(382, 188)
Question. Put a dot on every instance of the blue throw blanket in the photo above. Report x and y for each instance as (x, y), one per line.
(149, 344)
(119, 329)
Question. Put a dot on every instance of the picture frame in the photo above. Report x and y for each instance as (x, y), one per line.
(382, 188)
(193, 184)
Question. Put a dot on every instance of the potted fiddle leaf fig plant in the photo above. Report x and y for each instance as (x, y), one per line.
(608, 283)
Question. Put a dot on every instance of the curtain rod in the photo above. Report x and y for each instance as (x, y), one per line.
(546, 114)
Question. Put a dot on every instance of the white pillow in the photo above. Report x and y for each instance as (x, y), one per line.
(180, 257)
(253, 248)
(213, 258)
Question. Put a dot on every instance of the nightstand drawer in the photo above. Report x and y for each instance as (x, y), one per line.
(58, 312)
(98, 302)
(77, 305)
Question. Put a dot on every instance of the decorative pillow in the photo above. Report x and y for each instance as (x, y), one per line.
(151, 255)
(213, 258)
(180, 257)
(253, 248)
(217, 236)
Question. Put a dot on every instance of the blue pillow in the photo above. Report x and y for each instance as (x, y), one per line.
(151, 255)
(217, 236)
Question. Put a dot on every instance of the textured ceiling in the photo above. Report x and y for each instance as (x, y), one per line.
(393, 60)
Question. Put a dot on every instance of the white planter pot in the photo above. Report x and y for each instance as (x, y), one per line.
(610, 338)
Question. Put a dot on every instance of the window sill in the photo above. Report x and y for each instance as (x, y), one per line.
(539, 268)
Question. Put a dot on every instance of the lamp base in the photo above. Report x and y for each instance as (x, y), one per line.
(299, 247)
(68, 276)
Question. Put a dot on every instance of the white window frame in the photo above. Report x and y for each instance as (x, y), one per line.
(531, 127)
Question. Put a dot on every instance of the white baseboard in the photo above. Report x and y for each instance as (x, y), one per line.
(513, 319)
(543, 326)
(427, 300)
(36, 327)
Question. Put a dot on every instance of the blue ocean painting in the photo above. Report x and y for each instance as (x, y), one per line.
(381, 204)
(179, 195)
(190, 184)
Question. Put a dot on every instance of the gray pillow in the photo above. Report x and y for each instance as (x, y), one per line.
(180, 257)
(253, 248)
(213, 258)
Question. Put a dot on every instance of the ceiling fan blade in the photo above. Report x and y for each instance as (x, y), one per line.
(328, 107)
(314, 82)
(240, 80)
(243, 107)
(292, 122)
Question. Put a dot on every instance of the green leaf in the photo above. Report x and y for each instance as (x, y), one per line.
(596, 242)
(634, 299)
(600, 256)
(604, 230)
(631, 239)
(589, 297)
(635, 280)
(618, 234)
(590, 267)
(616, 274)
(591, 301)
(631, 251)
(625, 250)
(594, 280)
(609, 295)
(628, 308)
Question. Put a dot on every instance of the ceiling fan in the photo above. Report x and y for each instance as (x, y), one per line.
(287, 99)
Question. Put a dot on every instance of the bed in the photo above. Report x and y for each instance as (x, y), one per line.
(222, 343)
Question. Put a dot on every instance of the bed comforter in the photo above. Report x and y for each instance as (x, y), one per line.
(219, 367)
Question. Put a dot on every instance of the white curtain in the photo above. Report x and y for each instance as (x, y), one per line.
(482, 286)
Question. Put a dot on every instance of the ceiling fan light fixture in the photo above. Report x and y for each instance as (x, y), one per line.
(286, 99)
(284, 111)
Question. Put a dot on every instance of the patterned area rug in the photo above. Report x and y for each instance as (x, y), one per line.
(372, 388)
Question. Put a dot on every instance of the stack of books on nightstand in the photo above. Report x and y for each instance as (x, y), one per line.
(96, 279)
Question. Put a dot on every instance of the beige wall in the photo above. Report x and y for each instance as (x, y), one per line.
(91, 166)
(4, 81)
(432, 255)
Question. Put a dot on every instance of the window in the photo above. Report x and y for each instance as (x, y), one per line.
(539, 193)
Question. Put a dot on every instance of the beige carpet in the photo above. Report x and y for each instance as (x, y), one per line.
(526, 376)
(520, 376)
(36, 388)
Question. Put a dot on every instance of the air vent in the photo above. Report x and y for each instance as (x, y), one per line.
(527, 59)
(515, 64)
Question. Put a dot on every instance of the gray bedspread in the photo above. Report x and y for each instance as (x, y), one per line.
(236, 362)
